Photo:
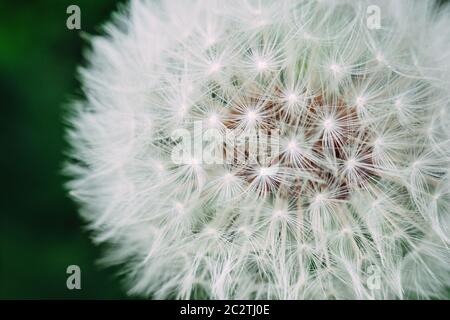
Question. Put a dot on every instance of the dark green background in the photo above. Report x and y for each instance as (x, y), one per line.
(40, 232)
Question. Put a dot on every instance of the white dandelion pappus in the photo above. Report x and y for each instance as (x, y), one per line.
(359, 181)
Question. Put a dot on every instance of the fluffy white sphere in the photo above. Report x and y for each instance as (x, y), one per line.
(351, 199)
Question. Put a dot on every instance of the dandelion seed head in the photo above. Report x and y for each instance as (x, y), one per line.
(349, 166)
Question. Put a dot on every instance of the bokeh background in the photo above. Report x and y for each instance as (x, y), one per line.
(40, 231)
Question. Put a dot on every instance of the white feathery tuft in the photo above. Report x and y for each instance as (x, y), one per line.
(351, 199)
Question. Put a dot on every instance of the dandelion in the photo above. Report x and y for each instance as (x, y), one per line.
(348, 173)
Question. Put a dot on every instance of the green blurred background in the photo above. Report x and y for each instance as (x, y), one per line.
(40, 232)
